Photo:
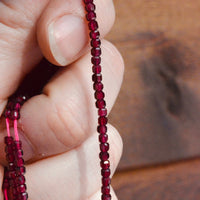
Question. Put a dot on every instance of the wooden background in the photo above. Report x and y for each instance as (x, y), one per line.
(158, 109)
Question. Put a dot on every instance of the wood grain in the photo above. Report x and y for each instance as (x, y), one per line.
(158, 109)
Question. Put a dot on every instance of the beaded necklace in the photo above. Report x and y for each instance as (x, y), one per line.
(14, 183)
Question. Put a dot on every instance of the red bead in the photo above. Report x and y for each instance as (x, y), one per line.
(94, 34)
(103, 120)
(96, 60)
(11, 166)
(106, 181)
(10, 105)
(102, 112)
(103, 138)
(97, 77)
(91, 16)
(90, 7)
(21, 170)
(102, 129)
(21, 188)
(19, 153)
(8, 140)
(9, 149)
(106, 197)
(17, 145)
(95, 43)
(14, 115)
(105, 164)
(96, 69)
(98, 86)
(15, 192)
(23, 196)
(105, 173)
(20, 99)
(105, 190)
(20, 180)
(5, 183)
(7, 114)
(99, 95)
(19, 162)
(104, 156)
(93, 25)
(104, 147)
(12, 182)
(88, 1)
(100, 104)
(17, 106)
(10, 157)
(96, 51)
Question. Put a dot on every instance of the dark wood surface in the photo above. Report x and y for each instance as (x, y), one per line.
(158, 109)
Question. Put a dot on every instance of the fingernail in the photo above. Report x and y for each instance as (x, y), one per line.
(67, 37)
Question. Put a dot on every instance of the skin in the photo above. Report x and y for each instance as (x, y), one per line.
(58, 127)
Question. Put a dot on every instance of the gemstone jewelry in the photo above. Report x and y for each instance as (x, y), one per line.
(14, 186)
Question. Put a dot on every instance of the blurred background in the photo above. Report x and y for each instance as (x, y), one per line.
(158, 108)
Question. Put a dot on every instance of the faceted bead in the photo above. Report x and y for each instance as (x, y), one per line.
(19, 162)
(91, 16)
(19, 153)
(103, 138)
(100, 104)
(102, 129)
(10, 157)
(96, 69)
(105, 190)
(99, 95)
(18, 145)
(106, 181)
(102, 120)
(93, 25)
(96, 60)
(96, 51)
(7, 114)
(98, 86)
(105, 164)
(105, 173)
(97, 77)
(12, 174)
(5, 183)
(102, 112)
(11, 166)
(12, 182)
(14, 115)
(94, 34)
(95, 43)
(20, 180)
(9, 149)
(8, 140)
(23, 196)
(104, 147)
(17, 106)
(20, 99)
(88, 1)
(104, 156)
(15, 192)
(21, 170)
(90, 7)
(106, 197)
(21, 188)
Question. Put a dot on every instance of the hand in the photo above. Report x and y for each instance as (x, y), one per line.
(58, 127)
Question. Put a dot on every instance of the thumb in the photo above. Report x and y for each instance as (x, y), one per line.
(62, 29)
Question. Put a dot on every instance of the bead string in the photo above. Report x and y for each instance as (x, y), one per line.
(99, 96)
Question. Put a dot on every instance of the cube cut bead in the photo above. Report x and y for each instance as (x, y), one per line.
(105, 173)
(91, 16)
(96, 69)
(103, 138)
(97, 77)
(96, 51)
(94, 34)
(105, 197)
(102, 120)
(105, 164)
(90, 7)
(100, 104)
(104, 156)
(106, 181)
(105, 190)
(102, 112)
(95, 43)
(99, 95)
(96, 60)
(93, 25)
(102, 129)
